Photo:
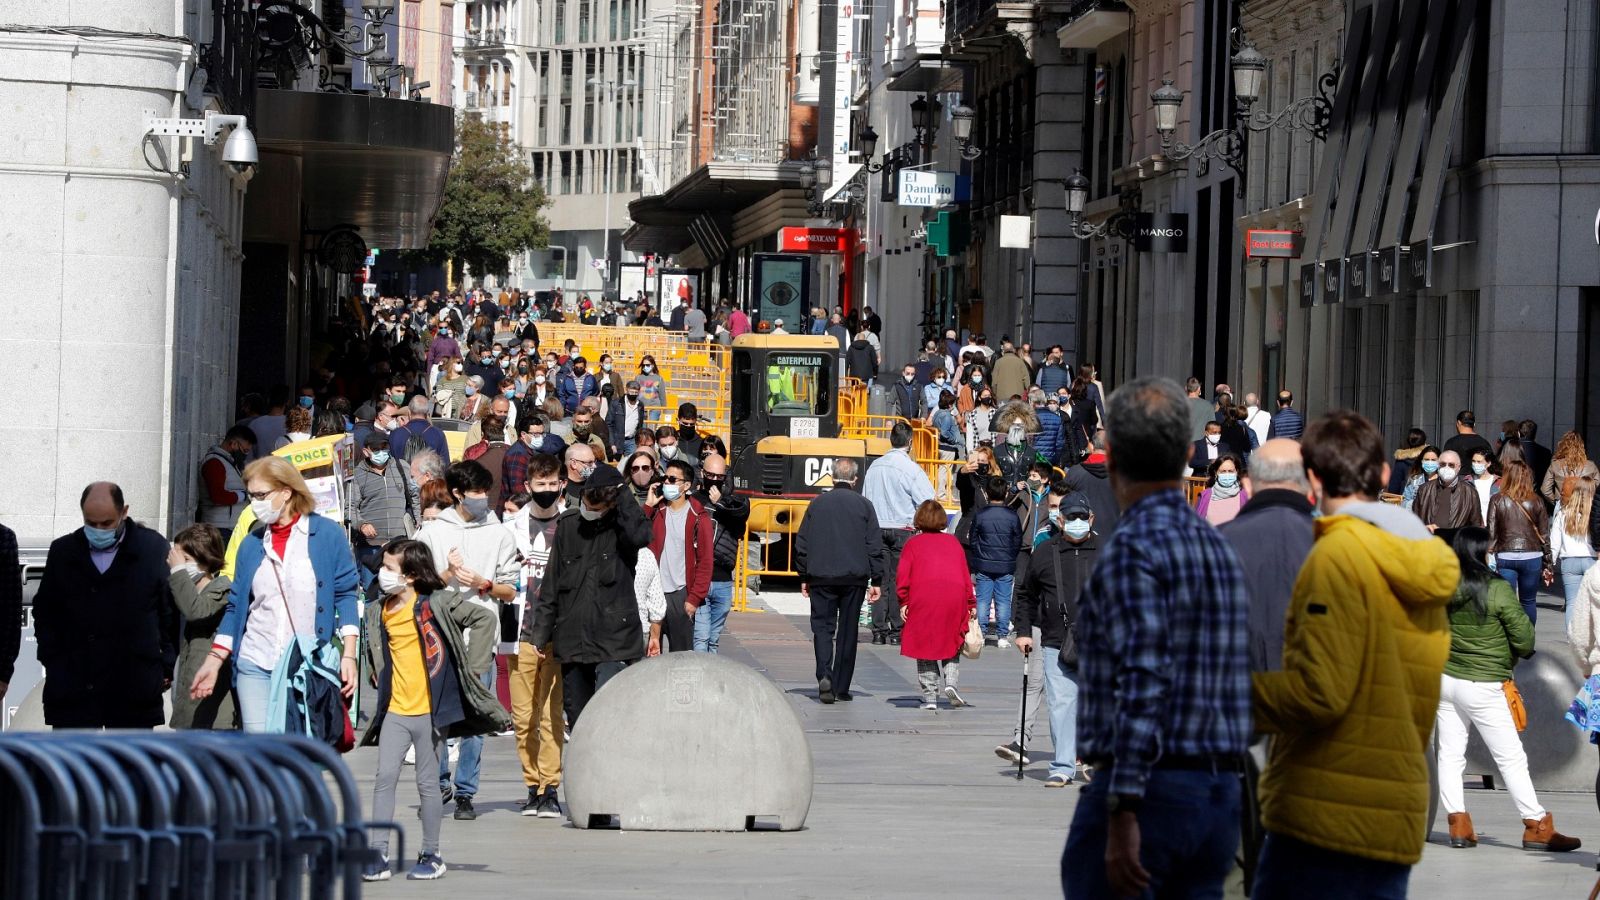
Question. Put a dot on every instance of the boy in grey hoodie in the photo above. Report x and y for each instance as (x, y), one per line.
(477, 555)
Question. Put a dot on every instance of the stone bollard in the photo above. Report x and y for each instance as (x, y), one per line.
(688, 742)
(1560, 757)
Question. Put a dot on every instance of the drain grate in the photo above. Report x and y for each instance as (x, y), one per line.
(866, 731)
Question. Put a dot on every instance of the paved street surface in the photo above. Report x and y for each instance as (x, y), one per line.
(908, 803)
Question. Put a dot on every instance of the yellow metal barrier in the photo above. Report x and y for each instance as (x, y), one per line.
(942, 472)
(770, 520)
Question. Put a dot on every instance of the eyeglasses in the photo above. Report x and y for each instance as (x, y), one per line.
(262, 495)
(642, 468)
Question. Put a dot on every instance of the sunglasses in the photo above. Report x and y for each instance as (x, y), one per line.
(643, 468)
(673, 479)
(1076, 517)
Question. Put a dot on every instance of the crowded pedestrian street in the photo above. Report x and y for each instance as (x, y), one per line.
(800, 449)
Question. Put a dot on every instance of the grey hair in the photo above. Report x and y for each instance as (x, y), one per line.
(429, 463)
(1285, 473)
(1036, 395)
(845, 469)
(1147, 429)
(475, 380)
(421, 406)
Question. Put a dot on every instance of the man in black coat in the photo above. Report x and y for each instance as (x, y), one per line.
(105, 620)
(1272, 535)
(1093, 480)
(1207, 449)
(586, 612)
(1537, 454)
(838, 552)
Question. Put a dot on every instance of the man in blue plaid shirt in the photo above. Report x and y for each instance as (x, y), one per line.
(1164, 675)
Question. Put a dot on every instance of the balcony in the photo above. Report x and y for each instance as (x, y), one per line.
(1091, 23)
(965, 17)
(488, 38)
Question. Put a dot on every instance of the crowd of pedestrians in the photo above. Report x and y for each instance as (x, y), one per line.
(1214, 600)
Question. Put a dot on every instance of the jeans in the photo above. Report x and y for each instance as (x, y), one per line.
(1188, 831)
(1573, 568)
(994, 592)
(253, 687)
(1480, 704)
(1061, 693)
(469, 756)
(1524, 577)
(712, 616)
(1294, 870)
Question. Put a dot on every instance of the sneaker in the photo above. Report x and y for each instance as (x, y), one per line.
(548, 806)
(825, 689)
(1012, 752)
(930, 705)
(430, 865)
(1002, 643)
(464, 813)
(377, 869)
(954, 697)
(509, 732)
(530, 806)
(1057, 780)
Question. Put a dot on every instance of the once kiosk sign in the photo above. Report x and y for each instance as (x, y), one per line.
(1161, 233)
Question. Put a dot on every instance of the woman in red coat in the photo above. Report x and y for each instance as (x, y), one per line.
(936, 600)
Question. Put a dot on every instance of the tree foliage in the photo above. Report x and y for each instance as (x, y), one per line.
(491, 203)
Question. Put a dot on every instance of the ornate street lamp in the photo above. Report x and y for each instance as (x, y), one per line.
(1077, 196)
(961, 117)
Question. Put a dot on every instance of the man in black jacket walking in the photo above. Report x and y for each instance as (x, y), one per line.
(1047, 599)
(105, 621)
(1272, 535)
(1093, 480)
(839, 555)
(586, 612)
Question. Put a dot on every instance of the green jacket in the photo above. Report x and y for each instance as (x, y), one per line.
(1484, 650)
(462, 706)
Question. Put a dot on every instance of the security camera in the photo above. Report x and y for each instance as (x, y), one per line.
(240, 151)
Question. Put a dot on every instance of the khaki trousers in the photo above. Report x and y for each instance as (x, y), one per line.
(536, 715)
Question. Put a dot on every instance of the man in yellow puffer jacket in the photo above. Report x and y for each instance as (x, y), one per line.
(1344, 796)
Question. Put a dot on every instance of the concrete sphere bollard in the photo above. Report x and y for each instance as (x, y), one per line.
(688, 742)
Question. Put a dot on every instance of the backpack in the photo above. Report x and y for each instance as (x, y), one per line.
(414, 445)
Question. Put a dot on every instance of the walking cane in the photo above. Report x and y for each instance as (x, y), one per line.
(1022, 726)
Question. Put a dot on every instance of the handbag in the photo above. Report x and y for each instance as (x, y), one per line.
(327, 708)
(972, 644)
(1519, 710)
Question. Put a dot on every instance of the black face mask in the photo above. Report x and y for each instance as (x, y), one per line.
(714, 481)
(545, 499)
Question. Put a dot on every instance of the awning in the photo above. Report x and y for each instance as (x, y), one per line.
(1401, 88)
(703, 203)
(841, 180)
(373, 162)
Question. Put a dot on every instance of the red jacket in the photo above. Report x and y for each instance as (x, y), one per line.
(936, 589)
(697, 546)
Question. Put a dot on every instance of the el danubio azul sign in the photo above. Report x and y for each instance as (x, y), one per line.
(924, 188)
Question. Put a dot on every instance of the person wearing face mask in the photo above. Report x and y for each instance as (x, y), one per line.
(295, 589)
(483, 366)
(609, 375)
(938, 383)
(450, 391)
(729, 515)
(1033, 510)
(623, 418)
(475, 403)
(978, 422)
(1448, 502)
(381, 502)
(443, 346)
(222, 496)
(993, 545)
(971, 386)
(424, 643)
(1051, 440)
(1046, 611)
(1208, 449)
(652, 385)
(689, 439)
(1426, 470)
(681, 541)
(669, 448)
(1225, 493)
(581, 464)
(574, 387)
(583, 432)
(535, 681)
(1484, 479)
(200, 594)
(586, 614)
(1016, 422)
(906, 394)
(476, 555)
(105, 621)
(641, 470)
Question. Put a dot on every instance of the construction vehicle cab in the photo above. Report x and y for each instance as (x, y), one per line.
(785, 416)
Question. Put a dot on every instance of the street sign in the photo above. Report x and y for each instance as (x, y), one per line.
(924, 188)
(1161, 233)
(817, 240)
(597, 264)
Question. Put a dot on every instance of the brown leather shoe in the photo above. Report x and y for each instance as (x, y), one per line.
(1541, 834)
(1461, 833)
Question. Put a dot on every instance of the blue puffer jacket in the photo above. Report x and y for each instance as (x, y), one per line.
(994, 541)
(1050, 440)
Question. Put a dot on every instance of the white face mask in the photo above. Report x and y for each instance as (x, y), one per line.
(538, 379)
(391, 582)
(265, 512)
(1447, 473)
(1213, 439)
